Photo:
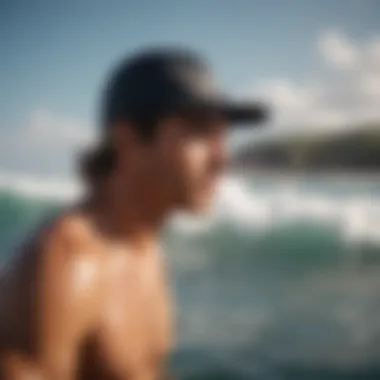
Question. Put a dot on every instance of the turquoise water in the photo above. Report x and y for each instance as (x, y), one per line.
(281, 281)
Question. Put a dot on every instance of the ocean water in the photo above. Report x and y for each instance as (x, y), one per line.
(280, 281)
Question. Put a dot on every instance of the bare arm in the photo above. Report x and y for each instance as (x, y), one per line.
(64, 308)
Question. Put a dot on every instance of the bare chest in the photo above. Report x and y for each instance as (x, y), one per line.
(134, 331)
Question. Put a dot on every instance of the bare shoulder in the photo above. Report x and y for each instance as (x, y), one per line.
(64, 250)
(70, 245)
(71, 231)
(59, 266)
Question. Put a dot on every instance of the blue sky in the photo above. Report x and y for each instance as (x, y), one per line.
(55, 54)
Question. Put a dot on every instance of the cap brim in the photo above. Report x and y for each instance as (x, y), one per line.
(236, 113)
(241, 114)
(245, 114)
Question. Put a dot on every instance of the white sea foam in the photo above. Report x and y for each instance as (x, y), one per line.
(39, 187)
(357, 215)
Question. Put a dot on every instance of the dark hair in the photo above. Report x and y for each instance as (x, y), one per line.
(141, 90)
(98, 163)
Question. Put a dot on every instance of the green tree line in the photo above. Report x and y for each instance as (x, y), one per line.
(354, 150)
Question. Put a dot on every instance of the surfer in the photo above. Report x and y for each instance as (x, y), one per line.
(87, 297)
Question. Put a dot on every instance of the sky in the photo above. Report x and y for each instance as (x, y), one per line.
(317, 62)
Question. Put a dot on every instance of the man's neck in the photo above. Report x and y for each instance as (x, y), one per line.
(130, 213)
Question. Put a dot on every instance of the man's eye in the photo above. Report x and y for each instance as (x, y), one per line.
(193, 130)
(201, 129)
(201, 133)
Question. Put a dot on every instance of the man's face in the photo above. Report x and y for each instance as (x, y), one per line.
(188, 154)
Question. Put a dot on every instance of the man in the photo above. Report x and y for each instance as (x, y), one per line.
(87, 298)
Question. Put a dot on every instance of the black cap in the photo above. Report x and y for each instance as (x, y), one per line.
(170, 80)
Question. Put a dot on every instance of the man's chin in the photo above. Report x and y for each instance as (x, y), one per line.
(199, 207)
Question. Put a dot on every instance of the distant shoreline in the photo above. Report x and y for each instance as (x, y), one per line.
(343, 154)
(286, 174)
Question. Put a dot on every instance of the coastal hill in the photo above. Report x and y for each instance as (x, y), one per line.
(353, 150)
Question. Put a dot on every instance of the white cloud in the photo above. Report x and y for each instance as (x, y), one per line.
(338, 50)
(346, 93)
(45, 143)
(35, 158)
(39, 186)
(44, 128)
(374, 50)
(370, 85)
